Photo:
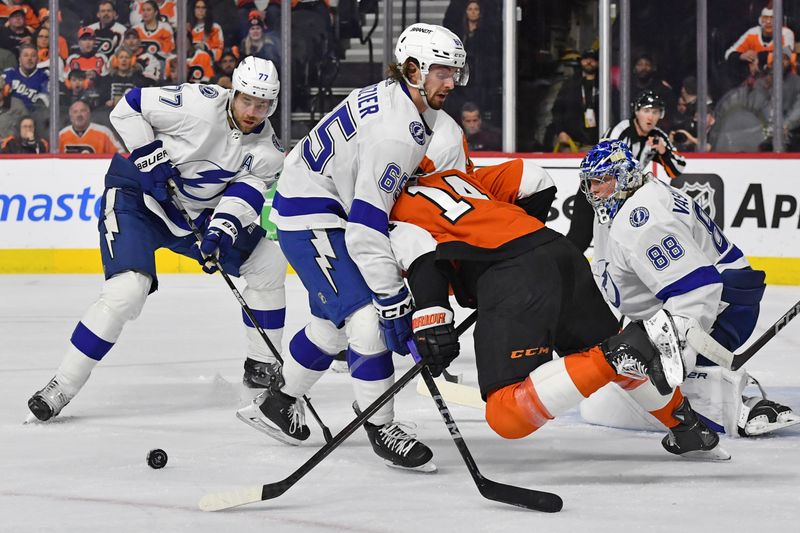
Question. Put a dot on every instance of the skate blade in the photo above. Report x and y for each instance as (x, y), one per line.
(427, 468)
(753, 430)
(251, 416)
(718, 453)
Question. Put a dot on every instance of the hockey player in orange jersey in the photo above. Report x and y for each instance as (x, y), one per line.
(478, 234)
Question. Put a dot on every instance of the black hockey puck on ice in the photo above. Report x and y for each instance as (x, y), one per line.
(157, 458)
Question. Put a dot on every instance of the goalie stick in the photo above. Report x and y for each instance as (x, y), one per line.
(225, 500)
(172, 188)
(707, 346)
(535, 500)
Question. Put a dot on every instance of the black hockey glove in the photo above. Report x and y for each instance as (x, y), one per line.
(435, 337)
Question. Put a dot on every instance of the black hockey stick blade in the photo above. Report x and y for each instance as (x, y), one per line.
(535, 500)
(741, 358)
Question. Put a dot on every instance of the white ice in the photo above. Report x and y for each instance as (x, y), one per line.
(173, 382)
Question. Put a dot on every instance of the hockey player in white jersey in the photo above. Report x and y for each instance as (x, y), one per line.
(219, 148)
(331, 209)
(655, 248)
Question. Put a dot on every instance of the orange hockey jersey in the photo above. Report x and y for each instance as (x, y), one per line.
(214, 42)
(96, 139)
(469, 216)
(158, 42)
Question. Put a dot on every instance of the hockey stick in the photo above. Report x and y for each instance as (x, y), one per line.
(707, 346)
(326, 433)
(535, 500)
(225, 500)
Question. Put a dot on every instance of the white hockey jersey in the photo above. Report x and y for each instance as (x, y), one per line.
(348, 171)
(221, 168)
(661, 250)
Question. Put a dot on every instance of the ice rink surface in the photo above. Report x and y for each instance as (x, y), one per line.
(173, 382)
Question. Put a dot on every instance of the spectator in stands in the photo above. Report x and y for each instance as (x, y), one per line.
(204, 30)
(92, 64)
(31, 18)
(645, 78)
(42, 42)
(166, 9)
(85, 137)
(124, 75)
(748, 54)
(484, 57)
(25, 140)
(686, 104)
(15, 33)
(199, 65)
(312, 34)
(261, 42)
(479, 138)
(11, 111)
(152, 66)
(224, 69)
(63, 47)
(762, 96)
(577, 107)
(27, 82)
(108, 33)
(156, 36)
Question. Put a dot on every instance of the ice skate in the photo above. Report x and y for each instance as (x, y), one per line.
(259, 375)
(765, 416)
(397, 448)
(692, 438)
(49, 401)
(279, 415)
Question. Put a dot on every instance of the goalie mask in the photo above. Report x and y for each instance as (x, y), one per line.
(606, 160)
(428, 44)
(256, 77)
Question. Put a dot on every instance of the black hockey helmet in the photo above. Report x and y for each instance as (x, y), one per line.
(648, 99)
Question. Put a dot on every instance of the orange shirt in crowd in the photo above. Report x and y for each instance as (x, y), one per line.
(214, 41)
(96, 139)
(157, 42)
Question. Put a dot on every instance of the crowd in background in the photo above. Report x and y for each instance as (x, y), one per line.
(107, 47)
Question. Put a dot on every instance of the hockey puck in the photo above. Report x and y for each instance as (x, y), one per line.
(157, 458)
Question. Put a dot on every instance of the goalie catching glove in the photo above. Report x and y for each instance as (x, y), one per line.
(435, 337)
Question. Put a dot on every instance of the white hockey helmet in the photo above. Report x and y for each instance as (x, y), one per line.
(257, 77)
(430, 44)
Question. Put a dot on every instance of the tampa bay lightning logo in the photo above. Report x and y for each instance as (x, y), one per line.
(208, 92)
(203, 173)
(639, 217)
(417, 132)
(607, 284)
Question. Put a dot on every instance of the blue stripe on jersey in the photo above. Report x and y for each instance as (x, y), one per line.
(307, 354)
(734, 254)
(707, 275)
(373, 368)
(368, 215)
(246, 192)
(88, 343)
(272, 319)
(292, 207)
(134, 99)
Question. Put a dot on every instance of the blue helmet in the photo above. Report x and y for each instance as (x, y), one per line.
(609, 158)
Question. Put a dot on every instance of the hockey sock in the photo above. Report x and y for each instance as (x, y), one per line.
(304, 366)
(372, 376)
(518, 410)
(648, 397)
(269, 308)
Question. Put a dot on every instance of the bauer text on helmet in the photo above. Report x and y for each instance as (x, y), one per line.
(429, 44)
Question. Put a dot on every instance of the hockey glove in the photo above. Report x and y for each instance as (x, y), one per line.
(394, 315)
(632, 354)
(217, 242)
(155, 169)
(435, 337)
